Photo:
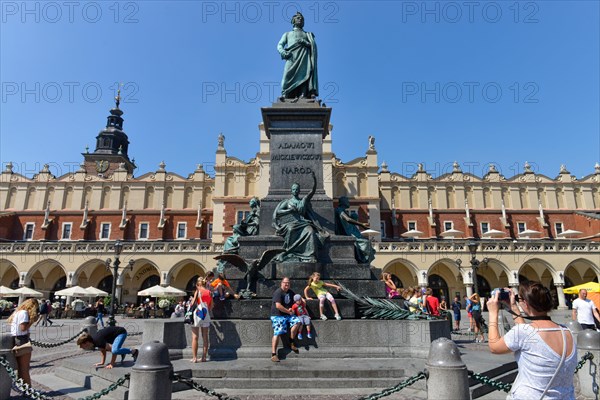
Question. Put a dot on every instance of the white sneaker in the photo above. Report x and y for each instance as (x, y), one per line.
(337, 316)
(323, 317)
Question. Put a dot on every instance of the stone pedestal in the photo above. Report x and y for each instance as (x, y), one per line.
(296, 132)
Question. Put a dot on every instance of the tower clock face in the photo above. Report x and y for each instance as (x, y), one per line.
(101, 166)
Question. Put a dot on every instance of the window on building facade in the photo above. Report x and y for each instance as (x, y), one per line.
(521, 226)
(382, 229)
(209, 233)
(181, 230)
(66, 231)
(558, 228)
(448, 225)
(241, 215)
(485, 226)
(105, 231)
(28, 234)
(143, 230)
(412, 225)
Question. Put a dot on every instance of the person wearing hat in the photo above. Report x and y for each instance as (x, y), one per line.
(301, 312)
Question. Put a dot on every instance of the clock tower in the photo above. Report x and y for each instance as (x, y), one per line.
(111, 146)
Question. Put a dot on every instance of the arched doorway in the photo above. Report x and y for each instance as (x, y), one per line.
(397, 281)
(438, 285)
(483, 286)
(106, 284)
(60, 284)
(190, 288)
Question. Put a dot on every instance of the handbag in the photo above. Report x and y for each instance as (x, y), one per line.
(189, 314)
(22, 350)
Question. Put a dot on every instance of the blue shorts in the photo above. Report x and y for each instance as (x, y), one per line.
(281, 323)
(457, 316)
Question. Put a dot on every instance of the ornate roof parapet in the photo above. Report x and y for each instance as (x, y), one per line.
(421, 175)
(44, 175)
(493, 175)
(8, 169)
(564, 175)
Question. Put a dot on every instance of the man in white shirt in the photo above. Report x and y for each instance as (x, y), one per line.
(584, 311)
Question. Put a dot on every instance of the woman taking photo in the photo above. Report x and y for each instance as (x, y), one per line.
(544, 350)
(201, 318)
(20, 321)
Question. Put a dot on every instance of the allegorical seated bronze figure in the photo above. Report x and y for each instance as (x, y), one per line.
(346, 225)
(295, 220)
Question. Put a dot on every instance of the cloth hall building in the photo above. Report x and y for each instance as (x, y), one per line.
(57, 231)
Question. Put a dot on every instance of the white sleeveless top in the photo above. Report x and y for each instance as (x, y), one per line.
(537, 364)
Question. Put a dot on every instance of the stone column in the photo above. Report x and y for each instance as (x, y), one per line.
(6, 344)
(589, 376)
(90, 324)
(469, 289)
(151, 374)
(562, 304)
(447, 373)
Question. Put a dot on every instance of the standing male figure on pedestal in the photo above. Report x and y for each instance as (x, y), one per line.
(299, 50)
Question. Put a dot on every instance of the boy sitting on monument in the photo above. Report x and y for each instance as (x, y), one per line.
(301, 312)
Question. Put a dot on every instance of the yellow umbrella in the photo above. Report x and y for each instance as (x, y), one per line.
(590, 287)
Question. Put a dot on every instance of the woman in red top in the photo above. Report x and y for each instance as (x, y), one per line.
(203, 301)
(433, 304)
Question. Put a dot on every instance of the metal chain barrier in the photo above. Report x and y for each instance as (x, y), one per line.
(584, 358)
(30, 392)
(135, 334)
(507, 386)
(196, 386)
(397, 388)
(18, 383)
(51, 345)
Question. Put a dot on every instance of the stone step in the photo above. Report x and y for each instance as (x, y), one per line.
(360, 287)
(308, 393)
(65, 386)
(94, 381)
(291, 382)
(261, 309)
(325, 368)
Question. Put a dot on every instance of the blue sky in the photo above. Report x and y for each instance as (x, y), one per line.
(434, 82)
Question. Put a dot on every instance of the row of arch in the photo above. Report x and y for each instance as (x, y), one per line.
(446, 275)
(50, 275)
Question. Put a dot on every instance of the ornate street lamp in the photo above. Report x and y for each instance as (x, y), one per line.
(118, 246)
(473, 246)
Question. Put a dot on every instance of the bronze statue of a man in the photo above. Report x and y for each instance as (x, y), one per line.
(299, 50)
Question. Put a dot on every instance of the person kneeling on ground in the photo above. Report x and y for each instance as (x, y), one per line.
(107, 339)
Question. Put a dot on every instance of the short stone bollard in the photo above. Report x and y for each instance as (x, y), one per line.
(448, 377)
(6, 345)
(90, 324)
(589, 376)
(574, 327)
(151, 374)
